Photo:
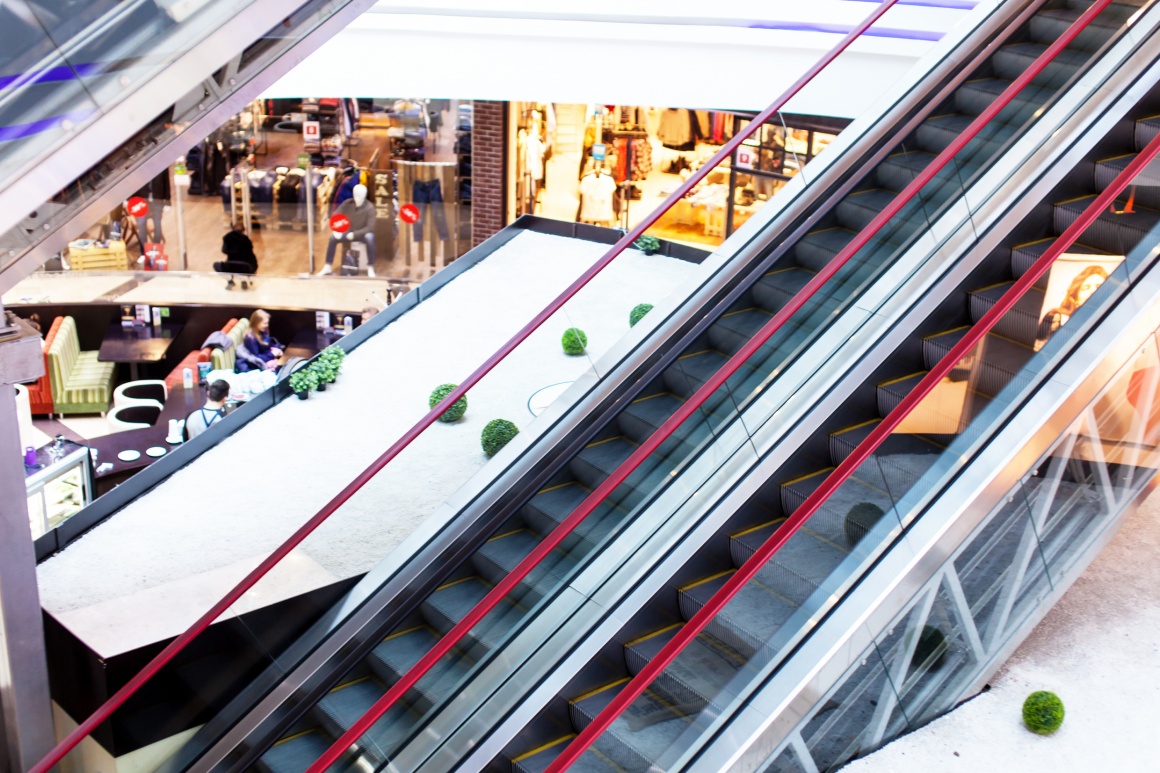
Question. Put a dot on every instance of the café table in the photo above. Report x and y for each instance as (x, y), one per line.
(310, 342)
(178, 405)
(138, 344)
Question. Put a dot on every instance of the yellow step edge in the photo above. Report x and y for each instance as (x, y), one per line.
(505, 534)
(704, 580)
(456, 582)
(606, 440)
(1113, 158)
(946, 332)
(743, 311)
(800, 478)
(856, 426)
(694, 354)
(598, 690)
(758, 527)
(648, 636)
(544, 748)
(659, 394)
(296, 735)
(989, 287)
(1069, 201)
(344, 685)
(397, 634)
(794, 268)
(556, 487)
(903, 378)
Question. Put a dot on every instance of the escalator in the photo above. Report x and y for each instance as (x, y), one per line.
(406, 637)
(644, 736)
(106, 95)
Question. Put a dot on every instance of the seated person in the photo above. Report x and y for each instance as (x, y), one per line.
(258, 350)
(203, 418)
(367, 313)
(239, 252)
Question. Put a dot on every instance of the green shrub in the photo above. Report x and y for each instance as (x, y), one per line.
(574, 341)
(647, 244)
(303, 380)
(860, 520)
(930, 644)
(456, 411)
(496, 435)
(638, 312)
(1043, 712)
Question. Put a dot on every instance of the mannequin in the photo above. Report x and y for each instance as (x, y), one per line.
(361, 214)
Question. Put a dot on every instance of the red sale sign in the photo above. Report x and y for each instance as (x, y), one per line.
(138, 207)
(339, 223)
(409, 213)
(746, 157)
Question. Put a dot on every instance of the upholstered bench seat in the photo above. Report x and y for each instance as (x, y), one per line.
(80, 382)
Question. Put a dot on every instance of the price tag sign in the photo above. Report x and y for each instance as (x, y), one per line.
(311, 131)
(409, 213)
(598, 151)
(339, 223)
(746, 157)
(138, 207)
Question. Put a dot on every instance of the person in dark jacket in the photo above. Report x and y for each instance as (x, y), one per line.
(239, 252)
(259, 350)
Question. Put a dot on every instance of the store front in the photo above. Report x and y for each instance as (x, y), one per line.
(613, 164)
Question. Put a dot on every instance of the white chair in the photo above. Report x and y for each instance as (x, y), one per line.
(144, 392)
(137, 416)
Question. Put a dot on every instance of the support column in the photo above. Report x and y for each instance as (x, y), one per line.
(25, 712)
(488, 147)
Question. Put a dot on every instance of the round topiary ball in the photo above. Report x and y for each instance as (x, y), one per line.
(574, 341)
(456, 411)
(496, 435)
(860, 520)
(1043, 712)
(638, 312)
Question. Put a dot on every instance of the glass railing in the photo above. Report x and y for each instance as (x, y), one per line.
(255, 625)
(961, 401)
(704, 430)
(70, 71)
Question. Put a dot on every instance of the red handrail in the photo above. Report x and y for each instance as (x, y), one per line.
(177, 645)
(590, 503)
(843, 471)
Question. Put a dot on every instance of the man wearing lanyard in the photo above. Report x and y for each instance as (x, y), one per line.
(203, 418)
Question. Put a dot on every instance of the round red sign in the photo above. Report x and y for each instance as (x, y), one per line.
(339, 223)
(409, 213)
(138, 207)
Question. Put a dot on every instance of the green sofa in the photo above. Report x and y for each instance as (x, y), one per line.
(80, 383)
(224, 359)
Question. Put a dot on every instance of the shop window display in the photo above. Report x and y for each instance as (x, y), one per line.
(611, 165)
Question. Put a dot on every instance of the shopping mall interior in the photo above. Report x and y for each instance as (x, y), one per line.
(464, 388)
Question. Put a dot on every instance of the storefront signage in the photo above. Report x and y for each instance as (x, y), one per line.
(339, 223)
(409, 213)
(746, 157)
(311, 131)
(303, 160)
(138, 207)
(598, 151)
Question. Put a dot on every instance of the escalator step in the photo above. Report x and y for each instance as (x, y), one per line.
(900, 460)
(1020, 322)
(1117, 234)
(642, 733)
(644, 415)
(690, 372)
(1147, 195)
(828, 523)
(751, 618)
(733, 330)
(857, 210)
(698, 674)
(815, 250)
(899, 169)
(450, 603)
(344, 705)
(1025, 255)
(973, 97)
(1048, 26)
(593, 464)
(891, 393)
(548, 509)
(538, 759)
(1146, 131)
(744, 544)
(398, 653)
(988, 370)
(1011, 61)
(294, 754)
(777, 288)
(500, 555)
(935, 134)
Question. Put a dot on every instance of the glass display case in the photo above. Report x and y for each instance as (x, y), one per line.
(58, 485)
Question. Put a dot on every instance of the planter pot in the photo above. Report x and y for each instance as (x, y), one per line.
(322, 387)
(303, 394)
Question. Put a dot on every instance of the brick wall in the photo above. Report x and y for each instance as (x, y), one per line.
(487, 169)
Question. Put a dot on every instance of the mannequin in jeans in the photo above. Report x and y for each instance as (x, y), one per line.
(361, 214)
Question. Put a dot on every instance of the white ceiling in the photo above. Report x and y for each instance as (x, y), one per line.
(721, 54)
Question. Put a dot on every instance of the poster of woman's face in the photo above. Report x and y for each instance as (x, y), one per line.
(1072, 280)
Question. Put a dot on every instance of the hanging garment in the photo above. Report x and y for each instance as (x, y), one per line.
(533, 149)
(676, 129)
(596, 195)
(428, 196)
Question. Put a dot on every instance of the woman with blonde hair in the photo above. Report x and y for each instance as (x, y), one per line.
(1081, 288)
(259, 350)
